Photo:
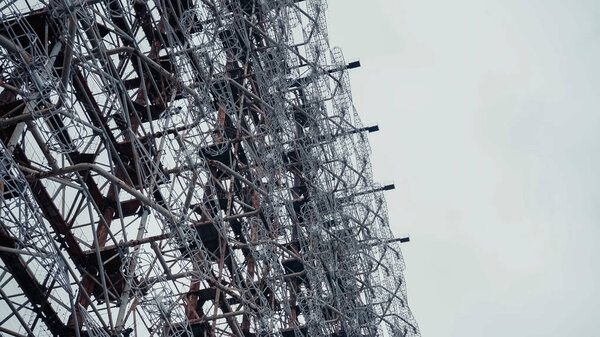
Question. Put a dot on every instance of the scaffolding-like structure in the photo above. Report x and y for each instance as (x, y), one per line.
(187, 168)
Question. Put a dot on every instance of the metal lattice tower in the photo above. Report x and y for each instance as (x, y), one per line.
(187, 168)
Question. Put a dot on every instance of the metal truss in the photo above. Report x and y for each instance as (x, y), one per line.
(187, 168)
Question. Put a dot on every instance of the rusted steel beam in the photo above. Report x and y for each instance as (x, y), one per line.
(32, 289)
(108, 176)
(59, 225)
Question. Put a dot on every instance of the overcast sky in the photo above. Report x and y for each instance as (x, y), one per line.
(489, 128)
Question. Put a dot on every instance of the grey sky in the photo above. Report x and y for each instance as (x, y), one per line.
(489, 120)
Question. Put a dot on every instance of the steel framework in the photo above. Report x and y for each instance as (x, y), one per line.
(187, 168)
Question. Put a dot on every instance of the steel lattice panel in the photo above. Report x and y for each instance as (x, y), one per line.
(187, 168)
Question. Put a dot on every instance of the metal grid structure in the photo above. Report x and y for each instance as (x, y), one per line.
(187, 168)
